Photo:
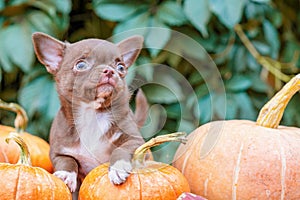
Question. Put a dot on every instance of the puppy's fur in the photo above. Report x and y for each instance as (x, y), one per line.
(95, 123)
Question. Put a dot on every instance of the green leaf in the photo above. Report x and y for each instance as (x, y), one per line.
(198, 13)
(16, 2)
(252, 63)
(290, 48)
(155, 121)
(130, 74)
(231, 106)
(64, 6)
(201, 90)
(229, 12)
(258, 85)
(238, 83)
(219, 104)
(35, 100)
(271, 35)
(205, 108)
(157, 36)
(195, 78)
(257, 11)
(134, 25)
(46, 7)
(40, 21)
(186, 126)
(262, 48)
(291, 113)
(245, 105)
(171, 13)
(173, 110)
(145, 68)
(5, 62)
(159, 94)
(2, 4)
(186, 46)
(18, 46)
(164, 88)
(174, 59)
(53, 105)
(239, 59)
(115, 12)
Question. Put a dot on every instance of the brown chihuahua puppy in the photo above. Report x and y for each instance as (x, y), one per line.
(95, 123)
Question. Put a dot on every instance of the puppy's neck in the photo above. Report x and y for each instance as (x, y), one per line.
(91, 125)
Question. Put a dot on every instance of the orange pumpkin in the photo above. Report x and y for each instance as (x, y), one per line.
(38, 147)
(148, 180)
(22, 181)
(242, 159)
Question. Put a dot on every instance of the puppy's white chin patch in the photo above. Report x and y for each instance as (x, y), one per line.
(98, 103)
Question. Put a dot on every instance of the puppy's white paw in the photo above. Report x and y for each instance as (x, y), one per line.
(70, 179)
(119, 171)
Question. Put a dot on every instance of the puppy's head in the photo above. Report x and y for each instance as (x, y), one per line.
(90, 70)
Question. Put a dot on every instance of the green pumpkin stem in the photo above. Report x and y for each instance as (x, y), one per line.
(140, 153)
(24, 158)
(270, 115)
(21, 118)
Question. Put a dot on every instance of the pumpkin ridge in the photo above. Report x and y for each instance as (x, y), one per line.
(186, 159)
(189, 152)
(97, 180)
(140, 183)
(160, 192)
(236, 172)
(283, 169)
(51, 185)
(4, 156)
(171, 183)
(17, 184)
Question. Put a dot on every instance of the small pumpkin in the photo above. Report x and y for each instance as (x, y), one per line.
(22, 181)
(148, 180)
(242, 159)
(38, 147)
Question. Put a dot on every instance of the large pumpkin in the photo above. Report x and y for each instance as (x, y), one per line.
(22, 181)
(148, 180)
(241, 159)
(38, 147)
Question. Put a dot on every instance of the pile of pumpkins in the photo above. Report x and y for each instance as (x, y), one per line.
(228, 159)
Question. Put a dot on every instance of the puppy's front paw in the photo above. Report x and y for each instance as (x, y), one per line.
(119, 171)
(70, 179)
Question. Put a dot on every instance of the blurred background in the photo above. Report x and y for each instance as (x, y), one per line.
(253, 43)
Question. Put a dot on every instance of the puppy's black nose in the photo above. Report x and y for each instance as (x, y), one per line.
(108, 72)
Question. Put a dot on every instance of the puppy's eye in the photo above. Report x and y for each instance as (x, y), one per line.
(121, 68)
(81, 66)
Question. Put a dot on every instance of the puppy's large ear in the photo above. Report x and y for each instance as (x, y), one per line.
(130, 49)
(49, 51)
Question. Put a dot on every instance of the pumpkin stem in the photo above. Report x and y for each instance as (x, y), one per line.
(140, 153)
(21, 118)
(271, 114)
(24, 152)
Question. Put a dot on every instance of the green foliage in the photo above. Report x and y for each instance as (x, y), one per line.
(198, 13)
(22, 80)
(192, 90)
